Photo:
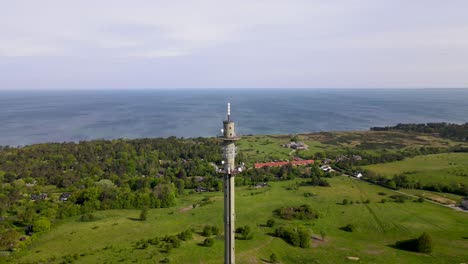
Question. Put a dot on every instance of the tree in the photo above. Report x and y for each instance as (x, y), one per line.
(41, 225)
(425, 243)
(9, 239)
(208, 242)
(144, 213)
(270, 222)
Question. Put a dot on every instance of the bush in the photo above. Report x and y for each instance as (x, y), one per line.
(174, 241)
(87, 217)
(270, 222)
(210, 231)
(296, 236)
(208, 242)
(383, 200)
(421, 244)
(244, 233)
(185, 235)
(302, 212)
(144, 213)
(41, 225)
(273, 258)
(165, 260)
(345, 202)
(425, 243)
(349, 228)
(399, 198)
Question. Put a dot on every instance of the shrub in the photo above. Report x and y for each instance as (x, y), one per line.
(185, 235)
(87, 217)
(273, 258)
(302, 212)
(425, 243)
(297, 236)
(210, 231)
(383, 200)
(421, 244)
(399, 198)
(41, 225)
(208, 242)
(349, 228)
(345, 202)
(270, 222)
(244, 233)
(144, 213)
(173, 241)
(165, 260)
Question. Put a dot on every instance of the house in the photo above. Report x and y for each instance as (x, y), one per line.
(282, 163)
(326, 168)
(64, 197)
(326, 161)
(261, 185)
(464, 203)
(357, 174)
(202, 189)
(37, 197)
(295, 145)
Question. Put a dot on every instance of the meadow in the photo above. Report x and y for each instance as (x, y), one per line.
(446, 168)
(112, 237)
(263, 148)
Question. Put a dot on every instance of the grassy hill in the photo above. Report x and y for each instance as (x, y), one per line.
(112, 238)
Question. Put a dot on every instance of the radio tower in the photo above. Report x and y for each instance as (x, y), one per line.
(229, 155)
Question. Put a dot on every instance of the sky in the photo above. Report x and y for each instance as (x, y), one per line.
(114, 44)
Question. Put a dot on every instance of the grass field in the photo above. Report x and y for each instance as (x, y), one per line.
(379, 225)
(268, 147)
(447, 168)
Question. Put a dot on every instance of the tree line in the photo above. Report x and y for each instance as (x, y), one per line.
(445, 130)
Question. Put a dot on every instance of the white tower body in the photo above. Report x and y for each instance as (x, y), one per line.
(229, 155)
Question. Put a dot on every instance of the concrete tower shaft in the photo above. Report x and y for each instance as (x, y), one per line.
(229, 156)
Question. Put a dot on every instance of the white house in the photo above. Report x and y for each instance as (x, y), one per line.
(464, 204)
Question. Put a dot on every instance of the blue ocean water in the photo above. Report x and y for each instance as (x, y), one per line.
(57, 116)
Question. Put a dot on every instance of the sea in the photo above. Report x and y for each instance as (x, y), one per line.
(29, 117)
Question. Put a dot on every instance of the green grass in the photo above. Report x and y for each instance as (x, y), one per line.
(379, 225)
(268, 147)
(447, 168)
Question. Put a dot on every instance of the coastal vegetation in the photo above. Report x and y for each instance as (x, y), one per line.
(148, 200)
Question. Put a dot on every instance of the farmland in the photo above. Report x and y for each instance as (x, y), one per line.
(112, 237)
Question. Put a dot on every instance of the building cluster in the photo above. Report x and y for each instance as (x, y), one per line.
(282, 163)
(346, 157)
(295, 145)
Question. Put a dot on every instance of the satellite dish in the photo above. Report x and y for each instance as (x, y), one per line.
(240, 169)
(222, 162)
(222, 130)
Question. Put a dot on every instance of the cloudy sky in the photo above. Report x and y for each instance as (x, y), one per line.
(113, 44)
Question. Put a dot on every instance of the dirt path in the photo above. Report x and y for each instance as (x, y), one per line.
(250, 251)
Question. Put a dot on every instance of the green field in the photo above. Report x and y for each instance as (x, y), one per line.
(447, 168)
(263, 148)
(111, 239)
